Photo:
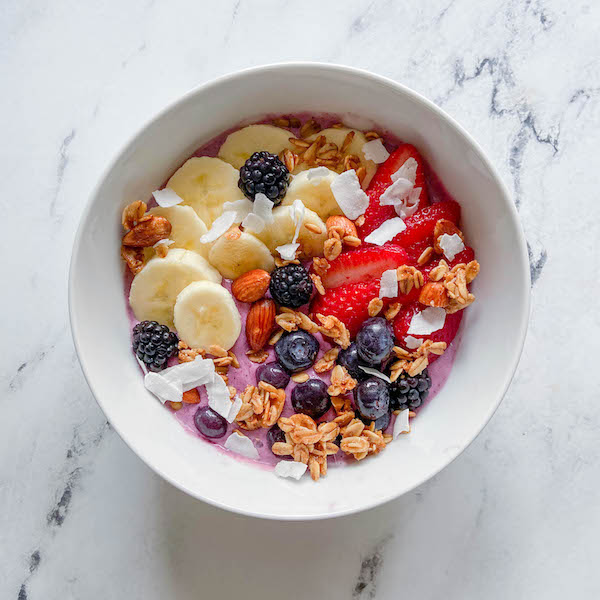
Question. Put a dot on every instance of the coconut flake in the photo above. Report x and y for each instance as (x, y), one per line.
(253, 223)
(386, 232)
(263, 208)
(191, 374)
(219, 227)
(163, 389)
(167, 198)
(412, 343)
(388, 288)
(142, 364)
(427, 321)
(375, 151)
(298, 212)
(288, 251)
(316, 174)
(242, 208)
(219, 400)
(350, 197)
(396, 193)
(451, 245)
(164, 242)
(375, 373)
(401, 424)
(407, 171)
(409, 206)
(287, 468)
(240, 444)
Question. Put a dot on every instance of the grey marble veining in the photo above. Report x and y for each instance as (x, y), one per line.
(516, 516)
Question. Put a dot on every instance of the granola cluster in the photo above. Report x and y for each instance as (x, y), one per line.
(261, 406)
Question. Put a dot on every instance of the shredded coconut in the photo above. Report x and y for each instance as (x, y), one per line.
(412, 342)
(427, 321)
(167, 198)
(350, 197)
(375, 373)
(242, 208)
(407, 171)
(164, 242)
(253, 222)
(288, 251)
(163, 389)
(401, 424)
(220, 226)
(386, 232)
(317, 174)
(242, 445)
(451, 245)
(375, 151)
(409, 205)
(287, 468)
(263, 208)
(190, 374)
(388, 288)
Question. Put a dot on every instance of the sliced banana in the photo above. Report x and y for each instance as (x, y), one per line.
(337, 136)
(315, 192)
(281, 232)
(206, 315)
(154, 289)
(235, 255)
(205, 184)
(186, 229)
(242, 144)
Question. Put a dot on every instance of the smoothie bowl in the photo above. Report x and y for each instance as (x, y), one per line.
(300, 303)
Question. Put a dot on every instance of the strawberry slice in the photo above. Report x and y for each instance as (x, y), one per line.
(446, 334)
(363, 264)
(349, 303)
(376, 214)
(420, 226)
(467, 255)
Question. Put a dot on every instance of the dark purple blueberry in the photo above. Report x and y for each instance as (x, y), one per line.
(382, 423)
(349, 358)
(209, 423)
(372, 398)
(311, 398)
(274, 374)
(297, 350)
(374, 341)
(410, 392)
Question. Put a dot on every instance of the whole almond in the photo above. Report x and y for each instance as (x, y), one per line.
(441, 227)
(434, 294)
(147, 232)
(259, 323)
(340, 225)
(251, 286)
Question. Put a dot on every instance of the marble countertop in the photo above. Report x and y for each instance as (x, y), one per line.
(516, 516)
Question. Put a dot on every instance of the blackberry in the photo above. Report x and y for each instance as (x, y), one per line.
(154, 344)
(264, 173)
(291, 286)
(410, 392)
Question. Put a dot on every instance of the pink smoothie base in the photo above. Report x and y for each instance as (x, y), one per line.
(246, 373)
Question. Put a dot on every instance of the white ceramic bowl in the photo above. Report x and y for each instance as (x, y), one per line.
(493, 328)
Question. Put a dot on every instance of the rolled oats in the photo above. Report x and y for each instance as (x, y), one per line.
(341, 382)
(327, 361)
(375, 306)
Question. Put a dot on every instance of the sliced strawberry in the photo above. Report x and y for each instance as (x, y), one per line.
(420, 226)
(446, 334)
(349, 303)
(467, 255)
(363, 264)
(415, 250)
(376, 214)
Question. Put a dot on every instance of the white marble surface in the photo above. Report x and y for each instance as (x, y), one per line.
(516, 516)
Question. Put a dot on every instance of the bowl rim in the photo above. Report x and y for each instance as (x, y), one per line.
(524, 272)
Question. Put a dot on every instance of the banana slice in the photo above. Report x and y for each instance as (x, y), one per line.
(242, 144)
(281, 232)
(154, 289)
(187, 229)
(314, 192)
(206, 184)
(206, 315)
(233, 256)
(337, 137)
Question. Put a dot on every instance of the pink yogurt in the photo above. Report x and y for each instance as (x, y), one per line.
(246, 374)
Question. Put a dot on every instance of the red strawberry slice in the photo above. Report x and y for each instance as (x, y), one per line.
(376, 214)
(420, 226)
(467, 255)
(446, 334)
(363, 264)
(349, 303)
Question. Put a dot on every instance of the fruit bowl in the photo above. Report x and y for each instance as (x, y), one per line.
(490, 340)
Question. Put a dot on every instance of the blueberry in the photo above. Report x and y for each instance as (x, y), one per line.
(311, 398)
(349, 358)
(297, 350)
(372, 398)
(209, 423)
(375, 341)
(276, 435)
(274, 374)
(382, 423)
